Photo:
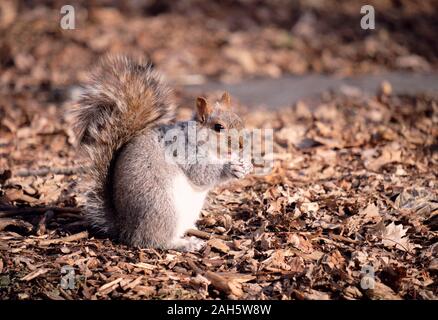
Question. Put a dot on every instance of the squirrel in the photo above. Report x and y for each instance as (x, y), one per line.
(137, 196)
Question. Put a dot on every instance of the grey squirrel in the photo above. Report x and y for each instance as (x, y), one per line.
(136, 195)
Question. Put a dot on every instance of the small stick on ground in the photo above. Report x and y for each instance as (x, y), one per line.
(73, 237)
(221, 283)
(45, 171)
(205, 235)
(42, 224)
(13, 211)
(342, 238)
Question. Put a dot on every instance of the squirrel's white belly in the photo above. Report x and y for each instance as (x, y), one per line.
(188, 203)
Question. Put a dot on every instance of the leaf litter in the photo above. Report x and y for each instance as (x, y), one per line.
(304, 231)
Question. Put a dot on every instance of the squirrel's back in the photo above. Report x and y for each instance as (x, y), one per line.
(124, 98)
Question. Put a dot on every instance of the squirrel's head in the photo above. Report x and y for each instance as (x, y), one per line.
(219, 118)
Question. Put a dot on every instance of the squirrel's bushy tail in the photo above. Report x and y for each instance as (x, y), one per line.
(123, 98)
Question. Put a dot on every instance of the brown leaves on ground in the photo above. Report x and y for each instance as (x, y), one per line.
(304, 231)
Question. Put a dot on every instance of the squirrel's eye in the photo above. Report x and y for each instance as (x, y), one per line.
(218, 127)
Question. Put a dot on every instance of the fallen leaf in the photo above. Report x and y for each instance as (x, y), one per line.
(370, 213)
(218, 244)
(382, 292)
(395, 236)
(390, 154)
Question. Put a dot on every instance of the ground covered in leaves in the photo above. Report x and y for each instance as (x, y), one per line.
(354, 184)
(352, 196)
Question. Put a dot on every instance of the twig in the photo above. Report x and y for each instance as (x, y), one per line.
(194, 267)
(199, 234)
(110, 286)
(12, 211)
(45, 171)
(205, 235)
(73, 237)
(35, 274)
(42, 224)
(342, 238)
(133, 283)
(218, 281)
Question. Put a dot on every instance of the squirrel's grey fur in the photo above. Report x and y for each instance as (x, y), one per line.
(120, 122)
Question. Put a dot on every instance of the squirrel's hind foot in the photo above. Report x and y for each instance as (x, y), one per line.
(187, 244)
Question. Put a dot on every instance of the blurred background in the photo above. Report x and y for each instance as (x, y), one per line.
(193, 41)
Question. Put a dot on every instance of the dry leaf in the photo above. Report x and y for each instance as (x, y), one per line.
(219, 244)
(382, 292)
(395, 236)
(390, 154)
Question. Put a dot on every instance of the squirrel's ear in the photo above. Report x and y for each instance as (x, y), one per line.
(226, 99)
(203, 108)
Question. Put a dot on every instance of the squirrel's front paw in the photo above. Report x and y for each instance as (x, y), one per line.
(239, 168)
